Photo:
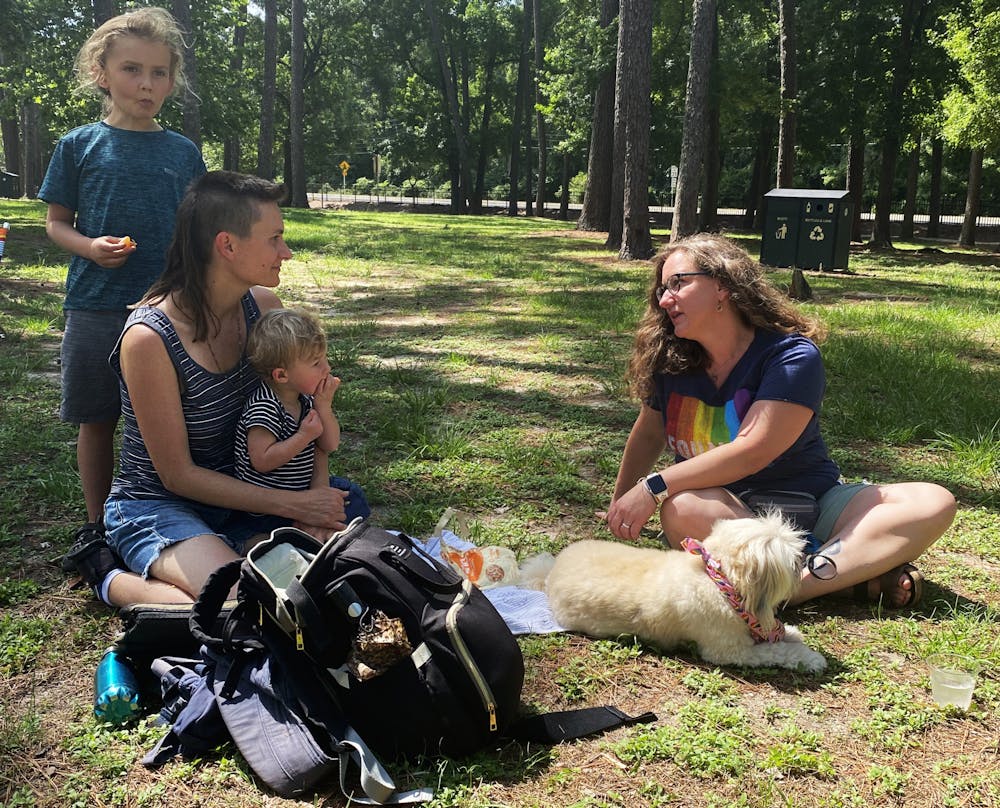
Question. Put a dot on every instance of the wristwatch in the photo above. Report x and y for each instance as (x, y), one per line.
(656, 486)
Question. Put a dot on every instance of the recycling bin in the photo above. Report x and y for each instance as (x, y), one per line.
(10, 185)
(806, 229)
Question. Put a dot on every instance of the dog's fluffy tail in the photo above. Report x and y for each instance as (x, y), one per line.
(533, 571)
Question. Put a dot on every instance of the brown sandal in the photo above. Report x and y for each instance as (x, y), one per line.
(865, 593)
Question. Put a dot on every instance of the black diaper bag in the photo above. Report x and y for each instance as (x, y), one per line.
(360, 649)
(414, 654)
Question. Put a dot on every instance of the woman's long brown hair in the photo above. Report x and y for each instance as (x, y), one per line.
(658, 350)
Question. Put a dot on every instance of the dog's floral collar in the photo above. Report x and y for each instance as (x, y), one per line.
(714, 571)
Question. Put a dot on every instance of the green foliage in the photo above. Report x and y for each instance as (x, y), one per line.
(21, 641)
(711, 740)
(481, 360)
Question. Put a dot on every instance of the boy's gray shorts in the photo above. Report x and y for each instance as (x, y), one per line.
(90, 391)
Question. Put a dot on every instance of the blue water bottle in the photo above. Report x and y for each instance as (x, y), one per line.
(116, 689)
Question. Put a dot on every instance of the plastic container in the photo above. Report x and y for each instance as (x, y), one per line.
(282, 564)
(953, 678)
(116, 690)
(484, 566)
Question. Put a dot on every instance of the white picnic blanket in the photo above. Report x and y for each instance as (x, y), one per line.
(526, 611)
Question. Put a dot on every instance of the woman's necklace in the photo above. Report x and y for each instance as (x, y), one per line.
(239, 346)
(719, 371)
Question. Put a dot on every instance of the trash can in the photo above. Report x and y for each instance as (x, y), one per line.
(806, 229)
(10, 185)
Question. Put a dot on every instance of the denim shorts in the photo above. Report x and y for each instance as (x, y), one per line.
(90, 390)
(355, 505)
(140, 529)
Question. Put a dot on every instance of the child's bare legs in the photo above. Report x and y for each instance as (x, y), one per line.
(95, 459)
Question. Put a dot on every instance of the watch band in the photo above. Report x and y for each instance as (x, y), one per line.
(656, 486)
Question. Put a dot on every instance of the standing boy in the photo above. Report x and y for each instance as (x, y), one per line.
(112, 189)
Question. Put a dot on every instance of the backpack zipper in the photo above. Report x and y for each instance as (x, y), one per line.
(451, 623)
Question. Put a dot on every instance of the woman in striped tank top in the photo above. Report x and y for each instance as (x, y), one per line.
(176, 511)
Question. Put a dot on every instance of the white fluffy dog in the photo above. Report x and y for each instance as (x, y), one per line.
(665, 597)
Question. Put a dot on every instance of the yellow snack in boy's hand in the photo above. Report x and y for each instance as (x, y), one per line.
(127, 242)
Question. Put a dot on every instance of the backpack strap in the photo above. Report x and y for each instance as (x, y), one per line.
(568, 725)
(375, 780)
(209, 605)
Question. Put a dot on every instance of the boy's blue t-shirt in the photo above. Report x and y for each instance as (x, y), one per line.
(776, 367)
(120, 183)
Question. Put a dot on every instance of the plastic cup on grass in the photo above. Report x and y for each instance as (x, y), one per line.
(953, 678)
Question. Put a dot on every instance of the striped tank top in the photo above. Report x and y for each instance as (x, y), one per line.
(211, 403)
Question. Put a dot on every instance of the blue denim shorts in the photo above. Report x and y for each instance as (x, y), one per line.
(140, 529)
(90, 389)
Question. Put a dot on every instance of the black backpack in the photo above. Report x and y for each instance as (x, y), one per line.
(388, 628)
(364, 647)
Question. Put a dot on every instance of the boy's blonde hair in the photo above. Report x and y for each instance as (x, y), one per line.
(153, 24)
(282, 336)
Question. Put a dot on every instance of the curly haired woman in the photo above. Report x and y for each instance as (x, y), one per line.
(731, 382)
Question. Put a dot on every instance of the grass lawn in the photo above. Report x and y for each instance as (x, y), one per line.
(482, 363)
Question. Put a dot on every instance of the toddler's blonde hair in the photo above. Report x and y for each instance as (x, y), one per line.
(281, 337)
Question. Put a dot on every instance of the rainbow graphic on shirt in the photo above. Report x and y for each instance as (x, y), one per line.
(694, 427)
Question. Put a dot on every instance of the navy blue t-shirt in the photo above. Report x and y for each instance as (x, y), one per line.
(120, 183)
(776, 367)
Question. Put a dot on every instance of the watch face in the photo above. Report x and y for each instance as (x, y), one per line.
(656, 483)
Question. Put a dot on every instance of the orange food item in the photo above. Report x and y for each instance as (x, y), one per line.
(127, 242)
(470, 562)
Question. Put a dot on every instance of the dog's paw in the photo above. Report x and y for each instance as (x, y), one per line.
(812, 661)
(792, 634)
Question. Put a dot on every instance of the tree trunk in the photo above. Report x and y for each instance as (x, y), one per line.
(564, 196)
(529, 106)
(296, 107)
(476, 203)
(104, 10)
(616, 211)
(597, 196)
(911, 24)
(789, 93)
(685, 219)
(856, 180)
(968, 236)
(708, 217)
(192, 110)
(34, 170)
(910, 203)
(514, 175)
(231, 145)
(450, 92)
(934, 201)
(759, 177)
(10, 136)
(637, 22)
(265, 138)
(543, 146)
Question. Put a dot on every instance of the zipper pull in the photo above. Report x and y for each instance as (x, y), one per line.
(260, 615)
(300, 644)
(492, 708)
